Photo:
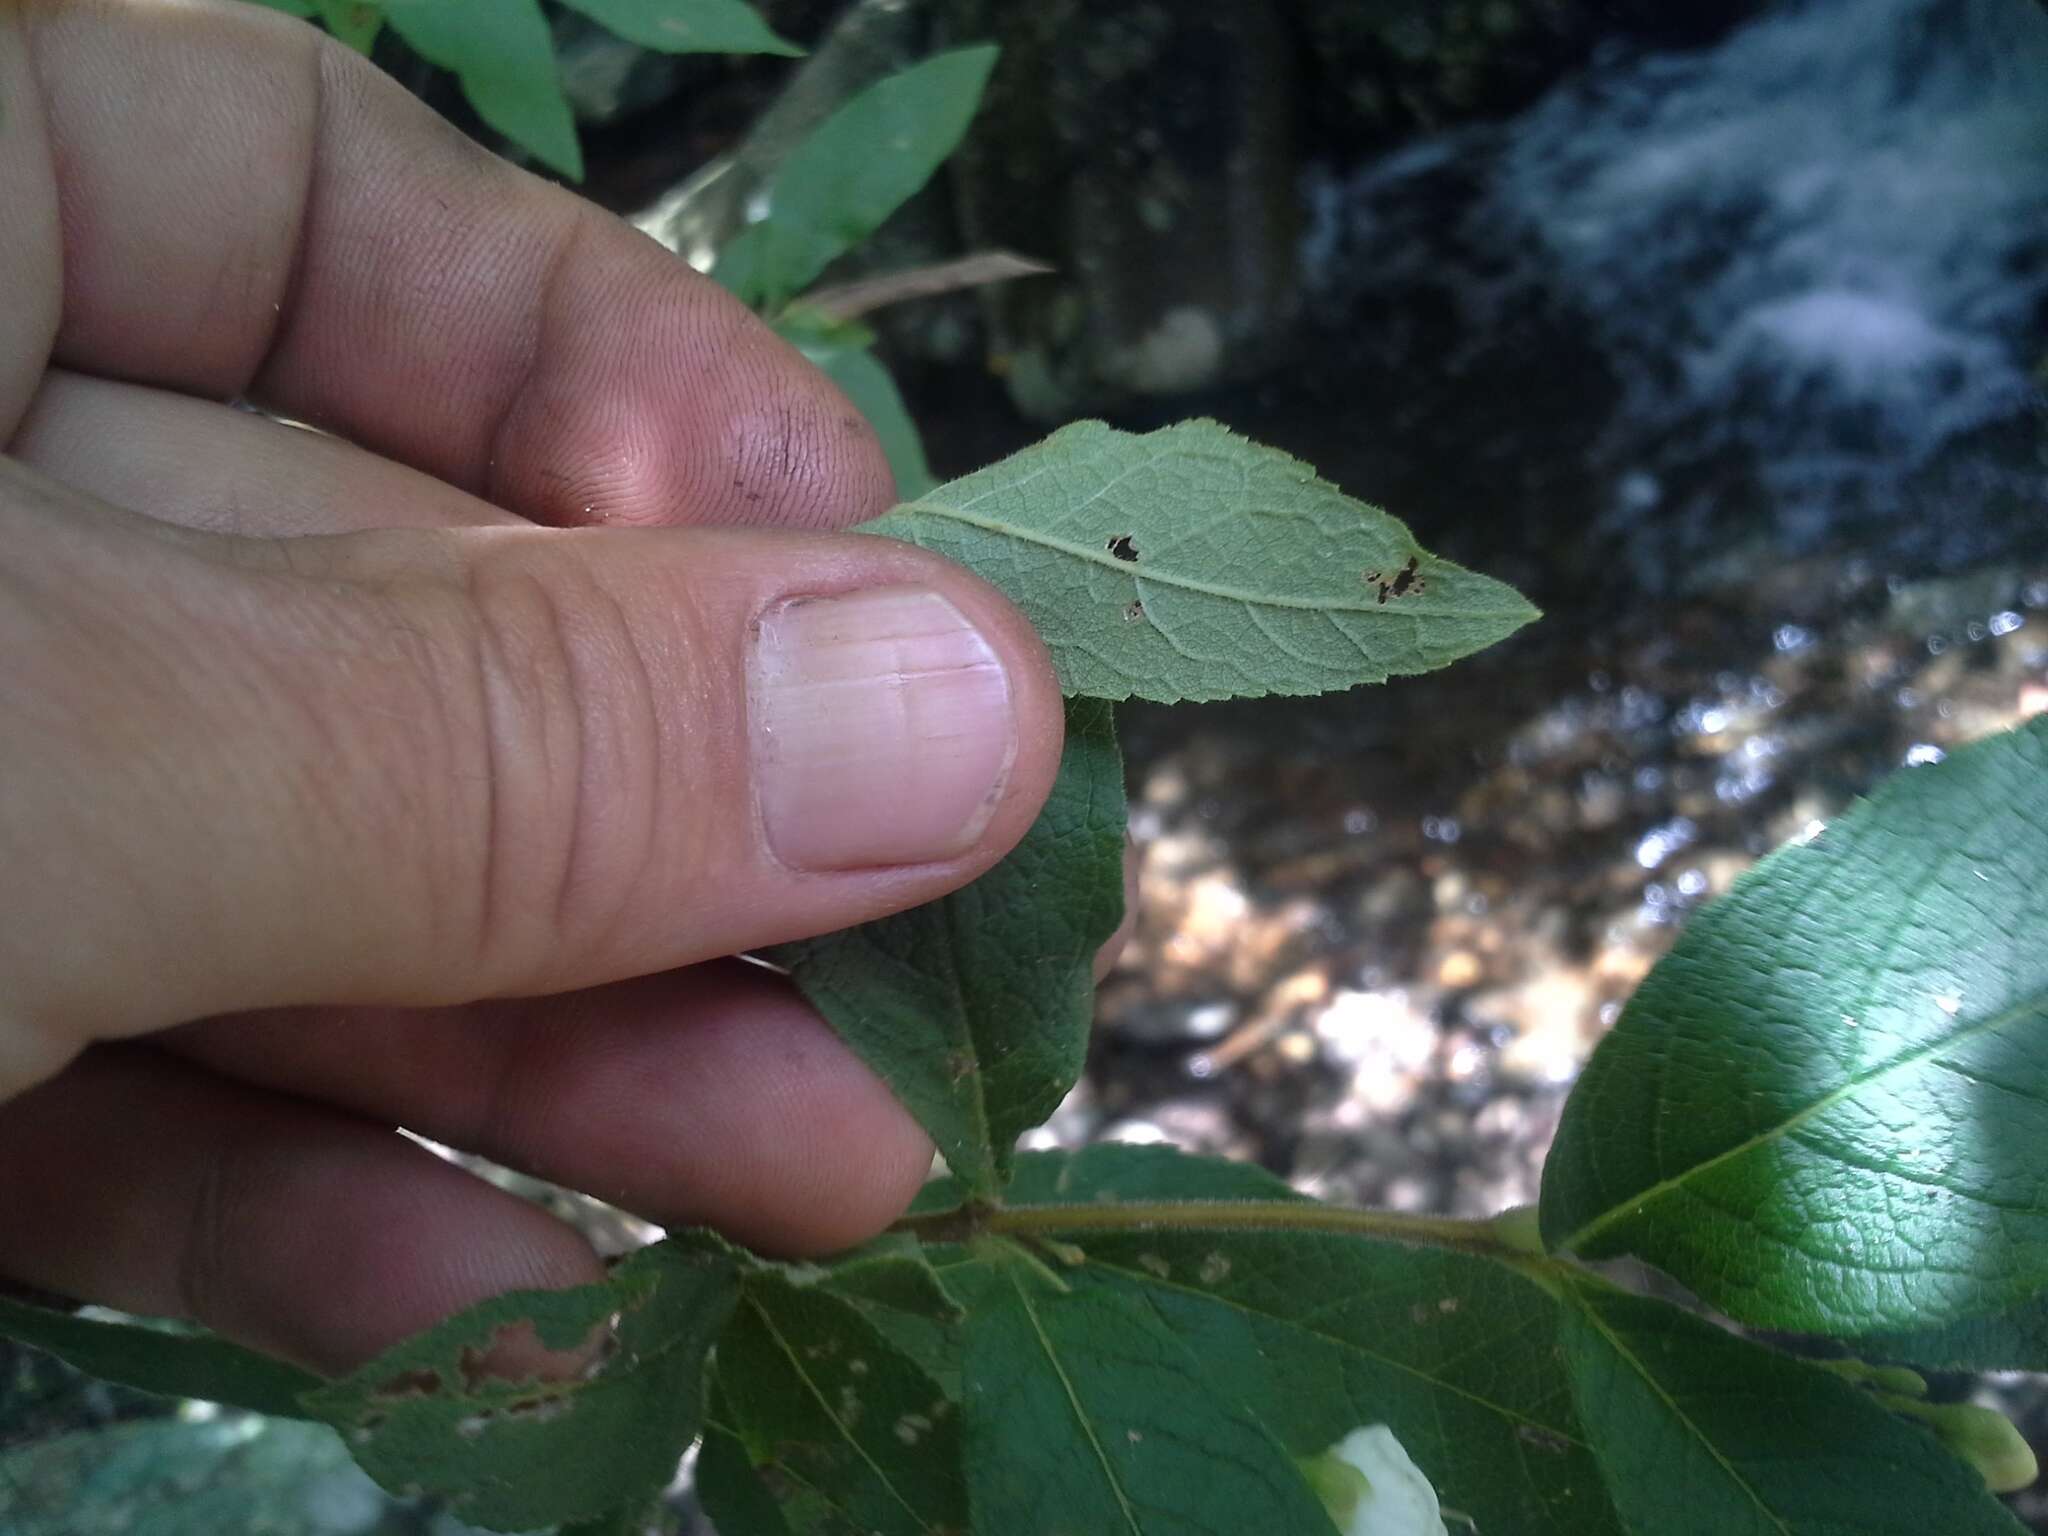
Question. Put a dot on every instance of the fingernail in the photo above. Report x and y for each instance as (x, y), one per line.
(883, 731)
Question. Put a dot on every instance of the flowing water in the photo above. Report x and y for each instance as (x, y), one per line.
(1785, 295)
(1733, 360)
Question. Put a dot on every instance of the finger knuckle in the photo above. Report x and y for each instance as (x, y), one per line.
(571, 751)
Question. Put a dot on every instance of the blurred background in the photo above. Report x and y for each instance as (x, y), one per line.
(1720, 329)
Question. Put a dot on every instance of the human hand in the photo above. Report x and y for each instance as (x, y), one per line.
(542, 678)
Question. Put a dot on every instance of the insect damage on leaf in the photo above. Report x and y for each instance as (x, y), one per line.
(434, 1415)
(1403, 583)
(1247, 567)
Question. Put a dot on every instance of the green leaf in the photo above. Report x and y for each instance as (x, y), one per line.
(1190, 563)
(1825, 1110)
(2013, 1340)
(1085, 1413)
(845, 1432)
(1114, 1174)
(975, 1008)
(355, 22)
(629, 1520)
(513, 1455)
(894, 1286)
(857, 168)
(1320, 1333)
(735, 1496)
(893, 1271)
(504, 57)
(300, 8)
(1701, 1431)
(170, 1359)
(688, 26)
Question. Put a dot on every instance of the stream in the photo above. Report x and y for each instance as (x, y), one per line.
(1731, 359)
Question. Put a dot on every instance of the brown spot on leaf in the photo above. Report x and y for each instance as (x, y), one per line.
(1123, 546)
(1403, 583)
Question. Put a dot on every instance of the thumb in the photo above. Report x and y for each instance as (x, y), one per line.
(426, 767)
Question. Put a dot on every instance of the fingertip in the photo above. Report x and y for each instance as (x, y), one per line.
(699, 414)
(1036, 705)
(147, 1184)
(805, 1150)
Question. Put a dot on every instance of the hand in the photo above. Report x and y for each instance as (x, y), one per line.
(541, 673)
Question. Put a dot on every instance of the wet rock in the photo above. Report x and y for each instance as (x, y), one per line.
(1148, 152)
(1173, 1021)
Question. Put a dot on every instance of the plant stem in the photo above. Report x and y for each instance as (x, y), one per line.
(1210, 1216)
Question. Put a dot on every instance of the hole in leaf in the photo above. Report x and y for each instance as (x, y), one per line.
(1403, 583)
(540, 1410)
(515, 1353)
(1133, 611)
(1123, 546)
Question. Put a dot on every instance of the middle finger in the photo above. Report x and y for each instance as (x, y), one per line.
(209, 466)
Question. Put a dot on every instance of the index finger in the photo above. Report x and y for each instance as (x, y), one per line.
(243, 208)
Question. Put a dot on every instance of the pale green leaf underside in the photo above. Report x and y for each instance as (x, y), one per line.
(1190, 563)
(1825, 1110)
(688, 26)
(975, 1008)
(1699, 1431)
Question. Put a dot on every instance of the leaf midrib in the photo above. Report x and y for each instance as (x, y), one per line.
(1629, 1358)
(832, 1418)
(1081, 1418)
(1133, 570)
(2032, 1003)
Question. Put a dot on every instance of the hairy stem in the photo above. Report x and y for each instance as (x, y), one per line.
(1211, 1216)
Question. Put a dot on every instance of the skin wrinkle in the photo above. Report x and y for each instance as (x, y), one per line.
(592, 790)
(18, 106)
(534, 338)
(199, 1263)
(286, 301)
(214, 322)
(487, 664)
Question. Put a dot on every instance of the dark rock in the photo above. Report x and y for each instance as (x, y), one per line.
(1148, 151)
